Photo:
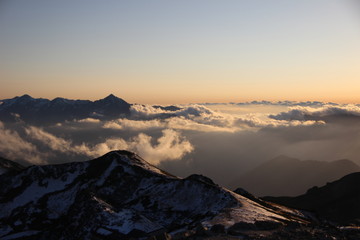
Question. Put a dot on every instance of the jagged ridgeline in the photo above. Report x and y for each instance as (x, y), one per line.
(121, 196)
(45, 111)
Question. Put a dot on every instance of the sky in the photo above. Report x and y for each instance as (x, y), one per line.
(181, 51)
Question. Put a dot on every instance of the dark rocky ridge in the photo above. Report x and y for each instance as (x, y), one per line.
(337, 201)
(7, 165)
(285, 176)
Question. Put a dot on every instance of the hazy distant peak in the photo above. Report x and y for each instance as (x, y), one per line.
(59, 99)
(286, 176)
(26, 96)
(344, 162)
(337, 200)
(283, 159)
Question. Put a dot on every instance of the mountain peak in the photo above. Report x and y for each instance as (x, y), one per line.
(345, 162)
(24, 97)
(132, 159)
(282, 159)
(112, 99)
(111, 96)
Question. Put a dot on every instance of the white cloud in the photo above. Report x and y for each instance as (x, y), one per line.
(199, 118)
(89, 120)
(124, 123)
(286, 103)
(15, 147)
(53, 142)
(178, 123)
(170, 146)
(304, 113)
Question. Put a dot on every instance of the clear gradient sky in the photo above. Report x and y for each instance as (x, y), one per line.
(181, 51)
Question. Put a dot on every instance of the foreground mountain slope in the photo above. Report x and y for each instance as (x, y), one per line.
(120, 196)
(285, 176)
(337, 201)
(44, 111)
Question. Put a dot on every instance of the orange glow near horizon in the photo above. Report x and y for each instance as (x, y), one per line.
(298, 50)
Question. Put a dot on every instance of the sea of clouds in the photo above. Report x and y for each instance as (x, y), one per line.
(217, 140)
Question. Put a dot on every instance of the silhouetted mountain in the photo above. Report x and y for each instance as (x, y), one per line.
(285, 176)
(337, 201)
(121, 196)
(39, 110)
(7, 165)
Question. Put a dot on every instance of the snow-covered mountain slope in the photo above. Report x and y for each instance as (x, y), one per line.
(43, 111)
(119, 196)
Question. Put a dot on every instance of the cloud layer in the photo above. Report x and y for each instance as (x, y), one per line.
(169, 146)
(220, 141)
(305, 113)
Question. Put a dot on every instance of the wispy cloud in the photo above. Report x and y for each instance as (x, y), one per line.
(15, 147)
(170, 146)
(211, 140)
(307, 113)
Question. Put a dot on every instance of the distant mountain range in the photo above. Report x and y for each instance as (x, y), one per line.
(42, 111)
(285, 176)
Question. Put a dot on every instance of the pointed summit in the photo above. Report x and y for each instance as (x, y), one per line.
(112, 107)
(26, 96)
(111, 96)
(111, 99)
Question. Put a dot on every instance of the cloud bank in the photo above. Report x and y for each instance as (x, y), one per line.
(305, 113)
(220, 141)
(169, 146)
